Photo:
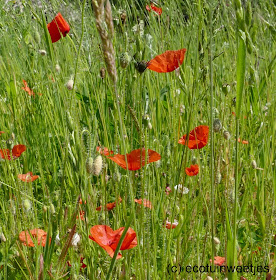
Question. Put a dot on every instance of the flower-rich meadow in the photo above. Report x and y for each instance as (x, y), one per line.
(137, 139)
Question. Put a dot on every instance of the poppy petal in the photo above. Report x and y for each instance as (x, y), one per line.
(198, 138)
(18, 150)
(5, 154)
(36, 233)
(57, 27)
(28, 177)
(167, 62)
(109, 239)
(134, 159)
(145, 202)
(192, 170)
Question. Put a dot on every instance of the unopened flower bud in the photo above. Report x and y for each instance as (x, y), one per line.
(57, 68)
(2, 237)
(42, 52)
(27, 205)
(254, 164)
(194, 160)
(70, 84)
(209, 278)
(102, 72)
(216, 240)
(97, 165)
(226, 135)
(124, 59)
(44, 208)
(149, 125)
(89, 165)
(52, 208)
(217, 126)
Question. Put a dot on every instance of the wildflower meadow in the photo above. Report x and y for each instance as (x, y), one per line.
(137, 139)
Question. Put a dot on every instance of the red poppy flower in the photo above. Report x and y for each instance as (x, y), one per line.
(170, 225)
(36, 233)
(192, 170)
(81, 216)
(104, 151)
(219, 260)
(80, 201)
(109, 206)
(134, 159)
(167, 61)
(16, 152)
(198, 138)
(109, 239)
(146, 202)
(154, 8)
(28, 90)
(57, 27)
(243, 141)
(1, 132)
(29, 177)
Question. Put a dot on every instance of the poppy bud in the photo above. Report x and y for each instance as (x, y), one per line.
(57, 68)
(89, 165)
(37, 37)
(42, 52)
(141, 66)
(97, 165)
(52, 208)
(218, 178)
(27, 205)
(253, 164)
(70, 122)
(117, 176)
(194, 160)
(226, 89)
(70, 84)
(209, 278)
(44, 208)
(124, 60)
(226, 135)
(2, 237)
(102, 72)
(149, 125)
(216, 241)
(146, 119)
(123, 17)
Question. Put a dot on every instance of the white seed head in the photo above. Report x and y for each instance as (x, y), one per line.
(42, 52)
(70, 84)
(97, 165)
(57, 67)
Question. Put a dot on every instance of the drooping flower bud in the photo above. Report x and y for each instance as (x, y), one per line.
(42, 52)
(124, 59)
(89, 165)
(226, 135)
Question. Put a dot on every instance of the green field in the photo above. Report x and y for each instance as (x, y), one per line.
(88, 91)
